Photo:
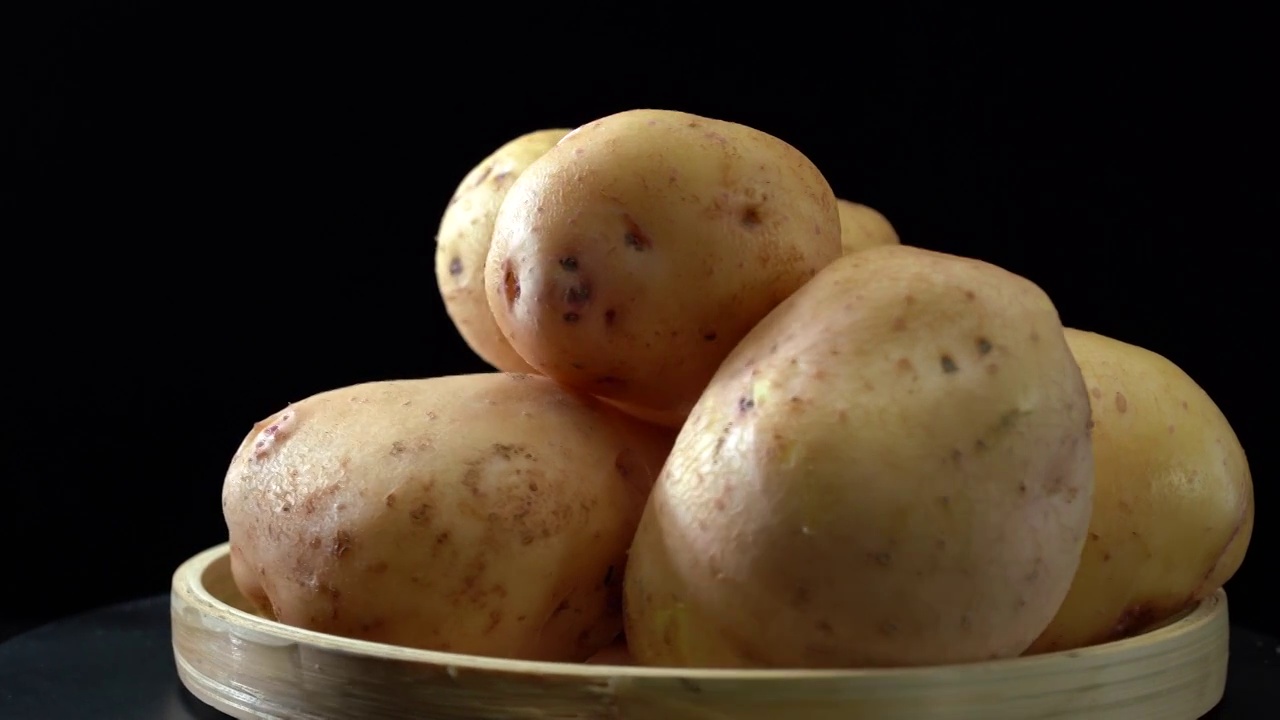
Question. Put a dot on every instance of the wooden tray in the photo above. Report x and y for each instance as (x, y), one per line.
(251, 667)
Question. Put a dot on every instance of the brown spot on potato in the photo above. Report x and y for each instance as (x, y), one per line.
(569, 263)
(1035, 337)
(1095, 537)
(945, 501)
(610, 316)
(881, 558)
(578, 294)
(709, 336)
(825, 628)
(610, 380)
(341, 544)
(1134, 619)
(751, 216)
(510, 285)
(571, 317)
(948, 365)
(397, 448)
(899, 324)
(1096, 392)
(1122, 403)
(800, 597)
(419, 514)
(379, 567)
(1022, 488)
(635, 238)
(455, 267)
(984, 346)
(745, 403)
(484, 175)
(904, 365)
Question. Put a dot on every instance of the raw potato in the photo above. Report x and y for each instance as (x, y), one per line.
(863, 227)
(462, 244)
(632, 257)
(486, 514)
(1173, 505)
(892, 469)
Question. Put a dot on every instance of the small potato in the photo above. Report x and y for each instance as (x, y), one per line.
(631, 258)
(485, 514)
(863, 227)
(892, 469)
(462, 244)
(1173, 504)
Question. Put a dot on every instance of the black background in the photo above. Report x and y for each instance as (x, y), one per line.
(219, 211)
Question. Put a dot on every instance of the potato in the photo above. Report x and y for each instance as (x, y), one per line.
(1173, 505)
(892, 469)
(863, 227)
(630, 258)
(486, 514)
(462, 244)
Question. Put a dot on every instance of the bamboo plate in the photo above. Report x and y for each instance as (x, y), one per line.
(251, 667)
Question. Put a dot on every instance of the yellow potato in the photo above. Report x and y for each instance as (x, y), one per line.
(632, 257)
(863, 227)
(486, 514)
(1173, 505)
(462, 244)
(892, 469)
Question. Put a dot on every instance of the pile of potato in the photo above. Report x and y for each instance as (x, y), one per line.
(737, 424)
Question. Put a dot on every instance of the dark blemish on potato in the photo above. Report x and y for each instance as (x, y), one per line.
(455, 267)
(745, 403)
(1022, 488)
(442, 538)
(1088, 426)
(578, 294)
(419, 513)
(904, 365)
(379, 567)
(533, 486)
(980, 445)
(909, 299)
(1185, 406)
(719, 504)
(825, 628)
(899, 324)
(1095, 537)
(881, 558)
(984, 346)
(341, 543)
(506, 452)
(610, 380)
(577, 366)
(1106, 557)
(751, 216)
(694, 124)
(608, 575)
(569, 263)
(800, 597)
(610, 315)
(948, 365)
(564, 605)
(1134, 618)
(484, 175)
(495, 619)
(719, 446)
(1122, 404)
(314, 543)
(1035, 337)
(397, 448)
(635, 238)
(888, 628)
(956, 455)
(571, 317)
(510, 286)
(526, 539)
(1096, 392)
(709, 336)
(286, 507)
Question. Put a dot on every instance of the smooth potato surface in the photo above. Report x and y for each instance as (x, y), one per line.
(630, 258)
(863, 227)
(892, 469)
(462, 244)
(1173, 506)
(486, 514)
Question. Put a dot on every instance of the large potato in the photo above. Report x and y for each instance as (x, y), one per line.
(863, 227)
(630, 258)
(892, 469)
(486, 514)
(1173, 505)
(462, 244)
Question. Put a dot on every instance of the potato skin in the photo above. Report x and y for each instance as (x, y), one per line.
(863, 227)
(462, 244)
(632, 257)
(1173, 505)
(486, 514)
(892, 469)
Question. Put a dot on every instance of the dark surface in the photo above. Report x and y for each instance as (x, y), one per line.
(118, 663)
